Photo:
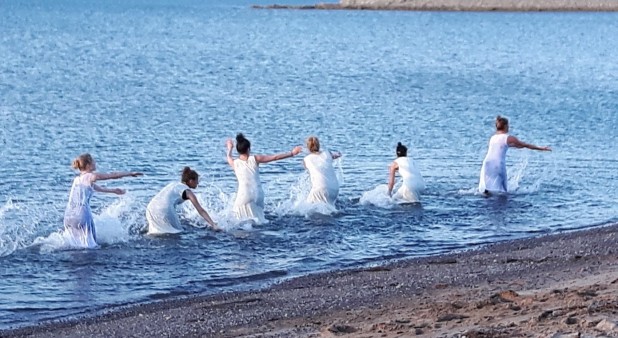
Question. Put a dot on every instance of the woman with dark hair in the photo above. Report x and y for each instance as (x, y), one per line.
(413, 183)
(249, 203)
(324, 183)
(493, 173)
(161, 211)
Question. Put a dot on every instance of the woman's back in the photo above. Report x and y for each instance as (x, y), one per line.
(247, 172)
(169, 196)
(410, 173)
(321, 171)
(497, 148)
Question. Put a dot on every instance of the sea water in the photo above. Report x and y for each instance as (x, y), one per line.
(153, 86)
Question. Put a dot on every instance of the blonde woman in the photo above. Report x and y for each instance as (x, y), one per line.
(319, 164)
(78, 220)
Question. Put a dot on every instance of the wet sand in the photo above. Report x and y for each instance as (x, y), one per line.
(461, 5)
(562, 285)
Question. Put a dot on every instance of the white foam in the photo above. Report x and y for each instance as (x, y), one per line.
(114, 224)
(378, 197)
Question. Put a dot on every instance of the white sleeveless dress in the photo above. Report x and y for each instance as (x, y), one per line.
(493, 173)
(78, 220)
(161, 212)
(249, 203)
(413, 183)
(324, 183)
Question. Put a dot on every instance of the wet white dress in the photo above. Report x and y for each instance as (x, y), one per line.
(413, 183)
(324, 183)
(493, 173)
(249, 203)
(161, 212)
(78, 221)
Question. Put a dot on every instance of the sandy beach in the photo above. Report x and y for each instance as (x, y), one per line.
(461, 5)
(560, 285)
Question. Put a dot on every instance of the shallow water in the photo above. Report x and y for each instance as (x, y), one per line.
(154, 86)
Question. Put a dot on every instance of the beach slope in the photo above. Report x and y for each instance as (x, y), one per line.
(561, 285)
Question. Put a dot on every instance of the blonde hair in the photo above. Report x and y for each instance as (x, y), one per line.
(82, 161)
(313, 144)
(501, 123)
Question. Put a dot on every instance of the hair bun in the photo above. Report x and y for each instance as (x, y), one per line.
(240, 137)
(498, 117)
(186, 170)
(399, 144)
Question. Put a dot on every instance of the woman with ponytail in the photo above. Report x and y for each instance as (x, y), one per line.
(249, 203)
(161, 211)
(413, 183)
(78, 220)
(493, 173)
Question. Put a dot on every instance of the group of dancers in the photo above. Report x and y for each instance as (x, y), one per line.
(162, 216)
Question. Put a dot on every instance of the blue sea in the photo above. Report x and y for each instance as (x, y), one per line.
(154, 86)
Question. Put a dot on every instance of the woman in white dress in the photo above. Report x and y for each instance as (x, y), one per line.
(249, 203)
(324, 183)
(161, 211)
(413, 183)
(493, 173)
(78, 220)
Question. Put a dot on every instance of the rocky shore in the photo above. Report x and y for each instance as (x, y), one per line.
(462, 5)
(562, 285)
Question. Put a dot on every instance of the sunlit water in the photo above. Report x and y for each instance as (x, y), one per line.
(157, 85)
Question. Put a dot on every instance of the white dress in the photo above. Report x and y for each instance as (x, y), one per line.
(493, 173)
(249, 204)
(413, 183)
(161, 211)
(78, 220)
(324, 183)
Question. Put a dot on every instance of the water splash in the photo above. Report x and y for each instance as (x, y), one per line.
(378, 197)
(116, 223)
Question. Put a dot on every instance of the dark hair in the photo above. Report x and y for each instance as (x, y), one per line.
(242, 144)
(188, 174)
(501, 123)
(401, 150)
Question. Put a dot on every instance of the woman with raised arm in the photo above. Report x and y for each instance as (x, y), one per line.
(324, 183)
(161, 211)
(413, 183)
(249, 203)
(493, 173)
(78, 220)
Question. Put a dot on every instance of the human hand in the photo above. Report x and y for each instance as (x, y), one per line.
(215, 227)
(118, 191)
(135, 174)
(297, 150)
(545, 149)
(229, 144)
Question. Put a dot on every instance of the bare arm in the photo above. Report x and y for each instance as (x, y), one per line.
(277, 157)
(391, 177)
(115, 175)
(512, 141)
(191, 197)
(230, 160)
(116, 191)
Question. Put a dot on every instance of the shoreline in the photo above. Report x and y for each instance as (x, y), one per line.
(554, 284)
(458, 6)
